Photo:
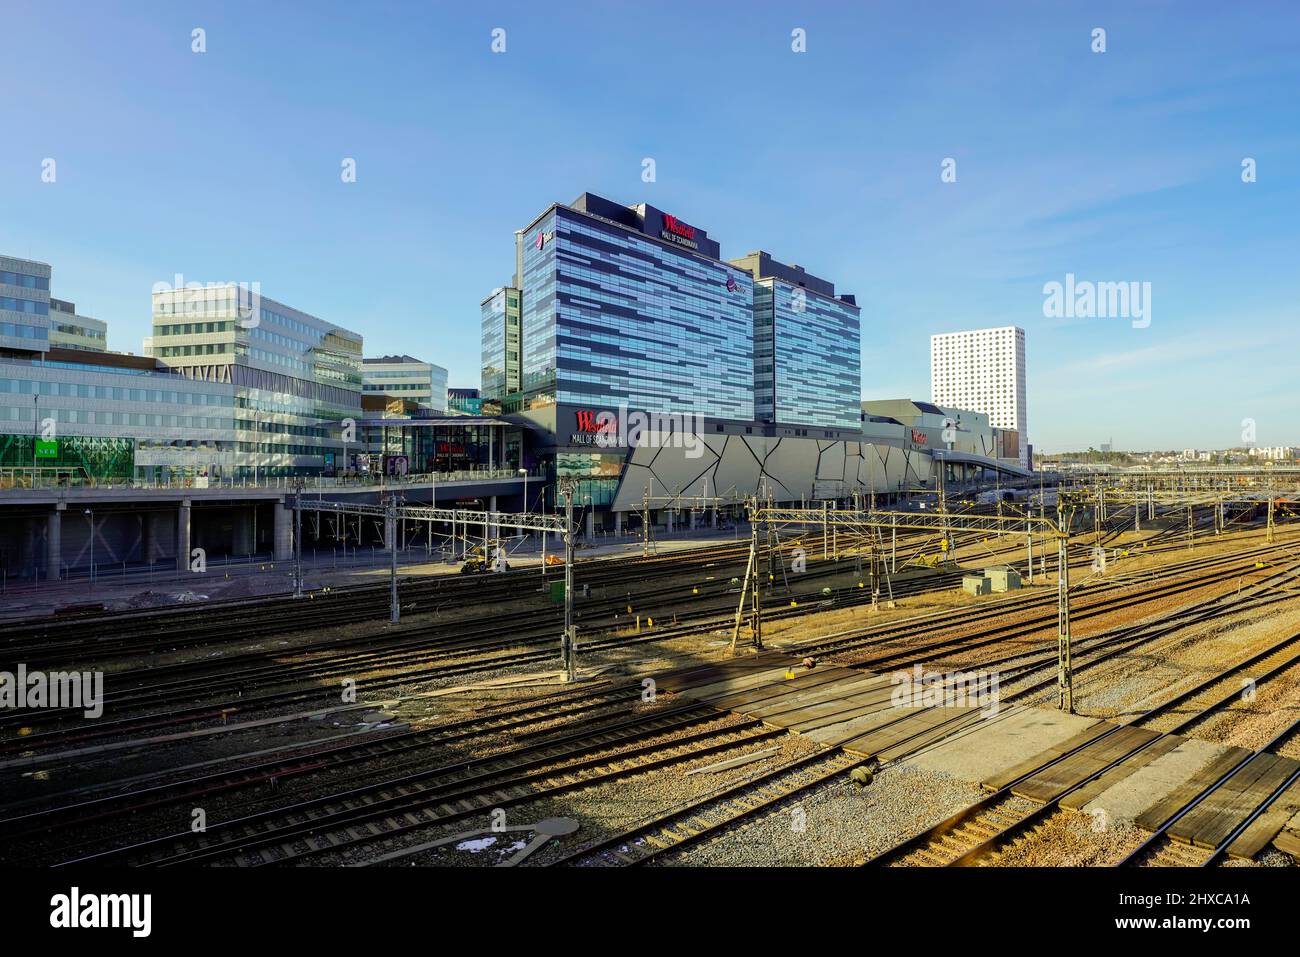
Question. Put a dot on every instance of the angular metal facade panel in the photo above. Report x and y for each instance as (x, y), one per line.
(738, 466)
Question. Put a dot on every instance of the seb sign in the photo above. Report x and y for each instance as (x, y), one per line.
(678, 232)
(918, 437)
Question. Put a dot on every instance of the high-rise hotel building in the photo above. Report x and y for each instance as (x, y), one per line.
(629, 305)
(807, 362)
(633, 308)
(983, 370)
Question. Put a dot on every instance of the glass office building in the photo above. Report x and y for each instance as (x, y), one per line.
(406, 377)
(24, 306)
(807, 348)
(500, 342)
(71, 331)
(631, 306)
(296, 378)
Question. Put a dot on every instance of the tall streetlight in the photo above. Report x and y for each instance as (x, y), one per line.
(90, 514)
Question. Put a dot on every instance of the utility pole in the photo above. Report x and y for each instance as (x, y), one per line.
(569, 644)
(1065, 672)
(1029, 546)
(395, 609)
(297, 541)
(826, 532)
(750, 588)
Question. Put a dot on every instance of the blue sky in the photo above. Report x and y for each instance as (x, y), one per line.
(1116, 166)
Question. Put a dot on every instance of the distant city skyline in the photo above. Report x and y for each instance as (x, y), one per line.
(1071, 169)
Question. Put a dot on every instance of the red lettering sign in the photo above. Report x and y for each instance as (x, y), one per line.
(677, 227)
(918, 437)
(588, 422)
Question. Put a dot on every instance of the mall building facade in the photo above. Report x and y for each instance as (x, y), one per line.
(630, 314)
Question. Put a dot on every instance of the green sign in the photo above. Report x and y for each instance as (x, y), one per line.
(47, 448)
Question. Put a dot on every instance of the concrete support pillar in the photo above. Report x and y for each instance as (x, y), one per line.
(692, 520)
(618, 523)
(242, 542)
(668, 520)
(713, 516)
(591, 524)
(54, 544)
(151, 546)
(183, 536)
(27, 550)
(282, 542)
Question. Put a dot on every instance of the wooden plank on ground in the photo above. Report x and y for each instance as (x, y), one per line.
(1288, 842)
(1094, 789)
(779, 709)
(1052, 782)
(1210, 822)
(730, 684)
(782, 689)
(1017, 771)
(1268, 825)
(682, 678)
(898, 732)
(872, 698)
(833, 713)
(969, 718)
(1154, 817)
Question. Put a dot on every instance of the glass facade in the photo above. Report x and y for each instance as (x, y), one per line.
(405, 377)
(807, 367)
(612, 317)
(537, 332)
(597, 474)
(71, 458)
(24, 305)
(295, 378)
(493, 345)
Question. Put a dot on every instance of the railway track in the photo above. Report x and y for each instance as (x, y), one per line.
(599, 702)
(977, 834)
(415, 658)
(469, 789)
(706, 817)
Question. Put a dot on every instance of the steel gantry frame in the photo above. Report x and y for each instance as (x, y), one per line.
(701, 501)
(1100, 498)
(393, 510)
(945, 523)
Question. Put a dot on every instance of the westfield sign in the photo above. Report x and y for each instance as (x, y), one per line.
(592, 424)
(621, 429)
(678, 232)
(677, 227)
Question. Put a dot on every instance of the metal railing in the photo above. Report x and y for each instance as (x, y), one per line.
(28, 478)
